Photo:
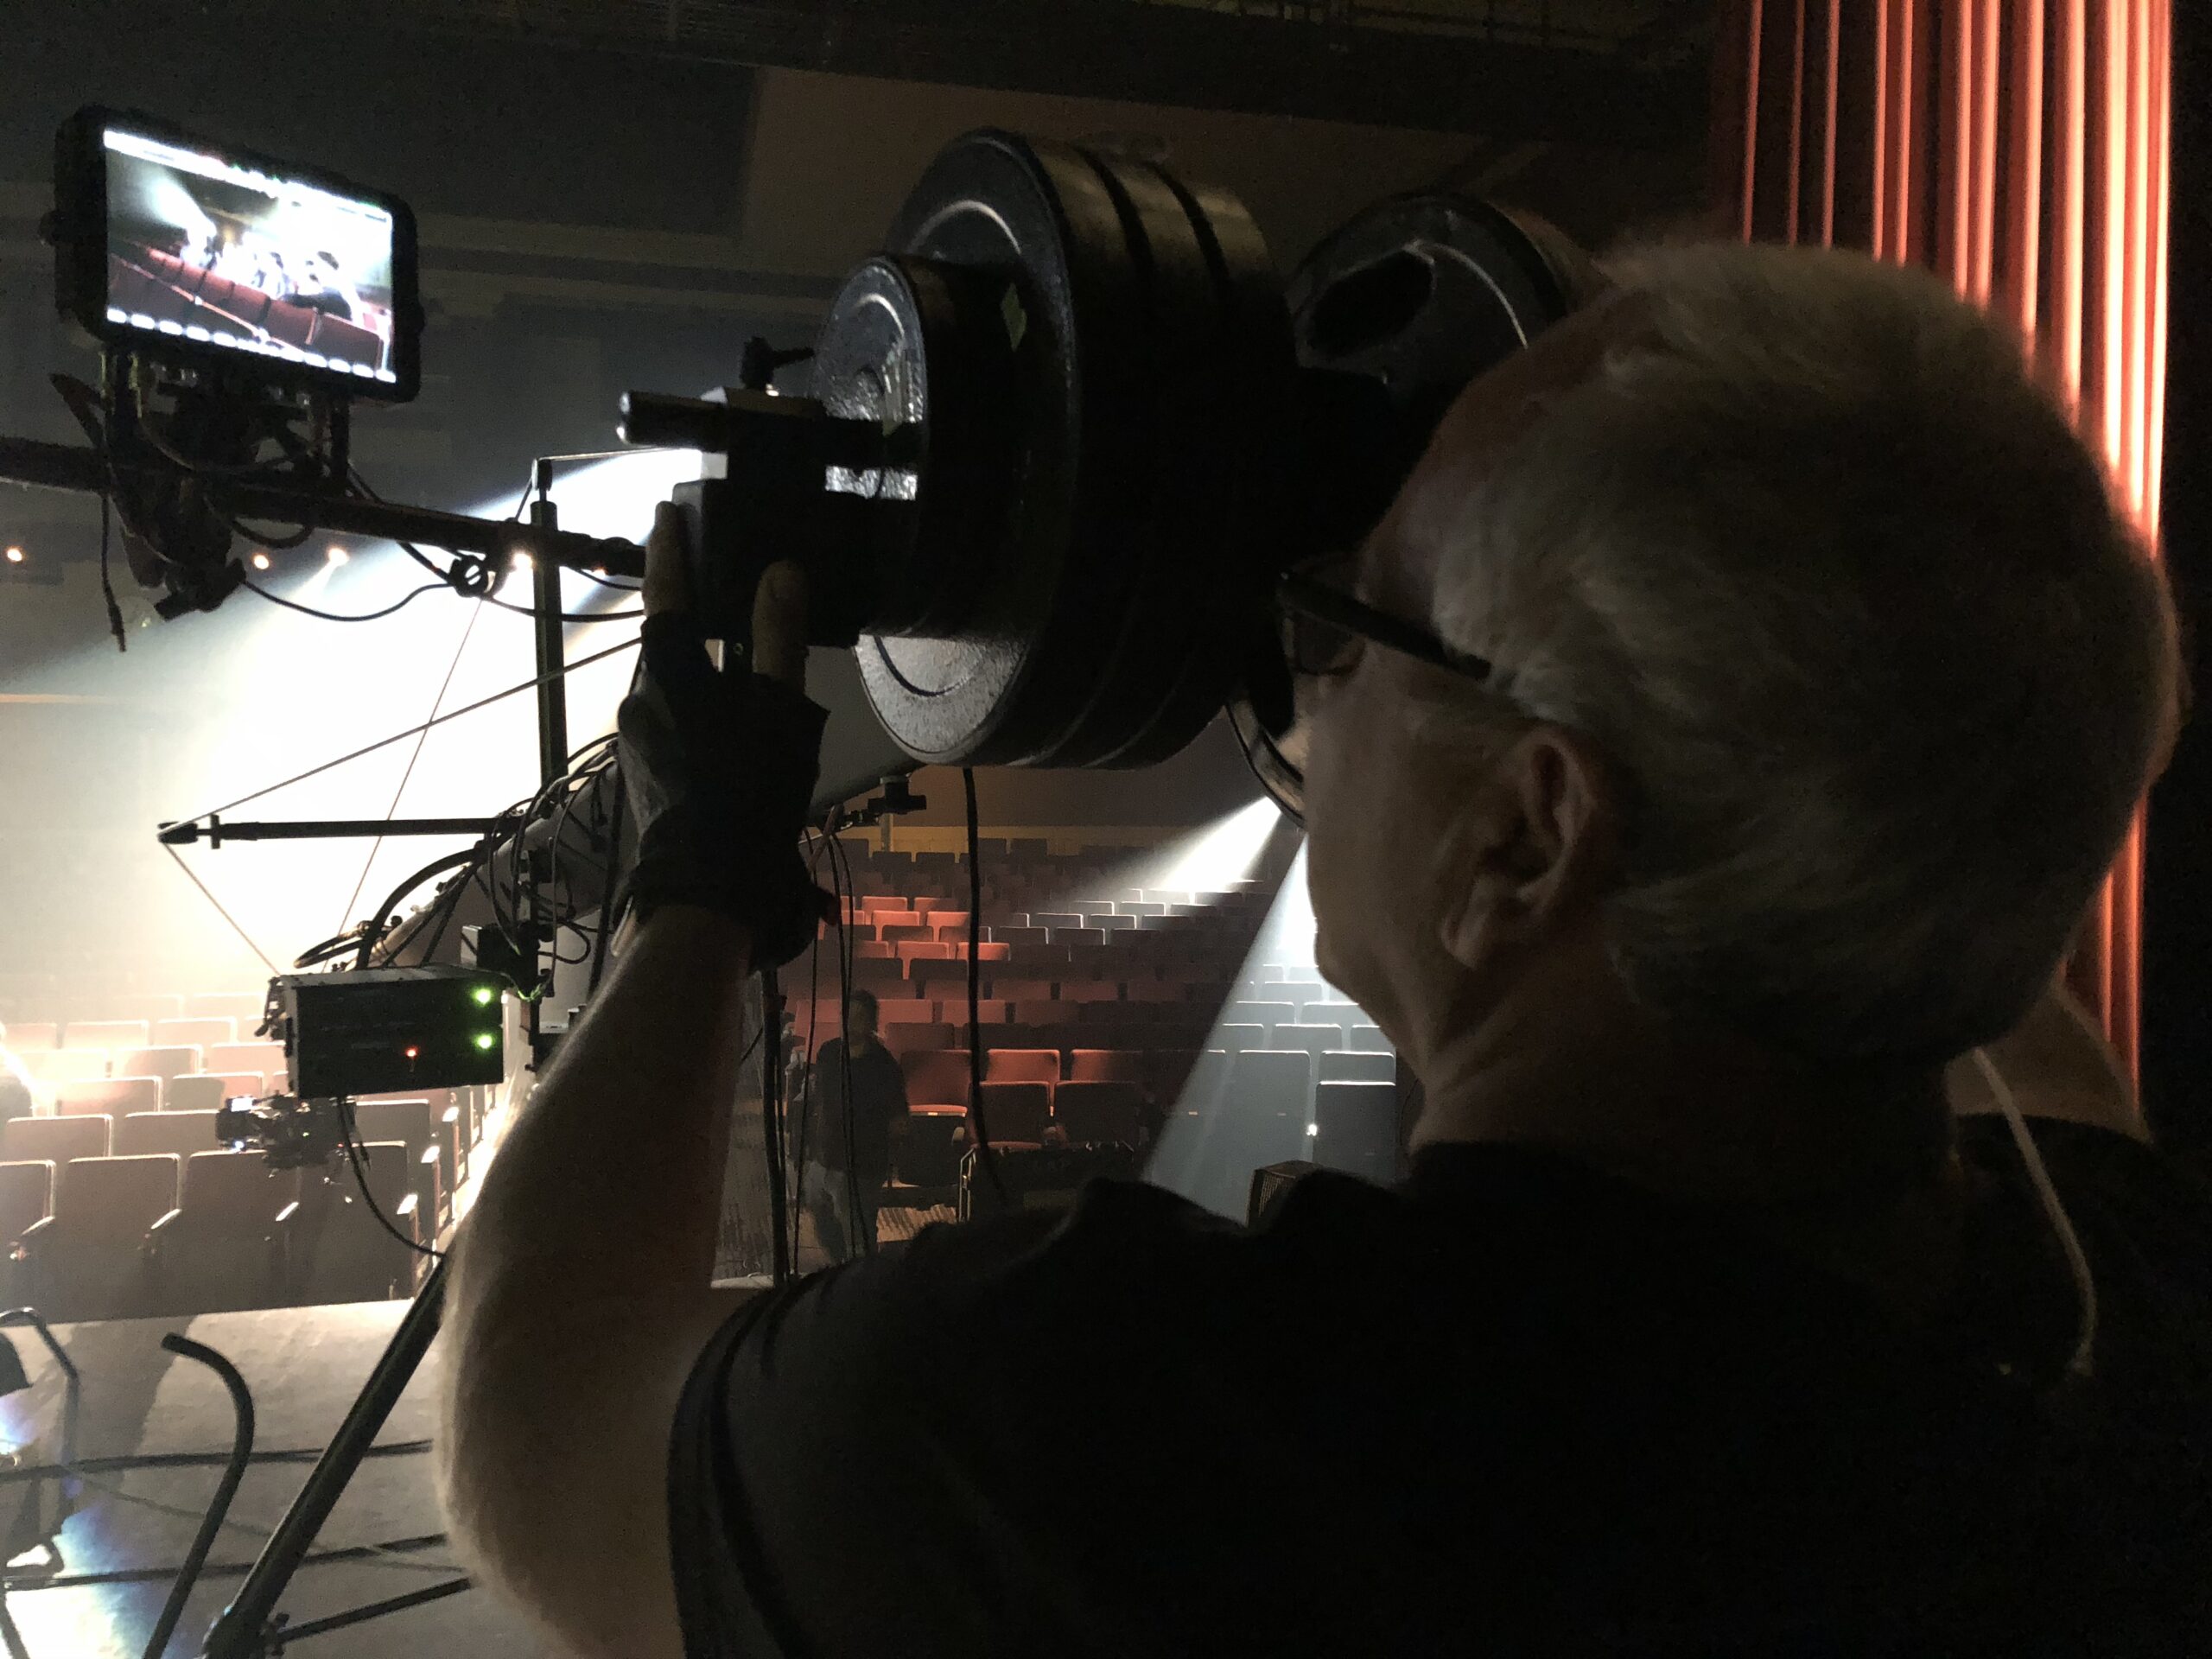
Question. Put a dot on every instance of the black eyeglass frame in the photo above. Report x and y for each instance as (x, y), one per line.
(1317, 599)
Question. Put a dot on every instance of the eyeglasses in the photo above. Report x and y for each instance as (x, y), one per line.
(1326, 621)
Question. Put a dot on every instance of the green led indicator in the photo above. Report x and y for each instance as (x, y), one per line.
(483, 993)
(486, 1038)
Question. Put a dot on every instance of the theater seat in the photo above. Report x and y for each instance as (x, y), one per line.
(164, 1061)
(927, 1153)
(916, 1036)
(1016, 1114)
(1108, 1065)
(112, 1097)
(226, 1249)
(1023, 1064)
(53, 1140)
(66, 1064)
(106, 1034)
(182, 1133)
(26, 1198)
(339, 1251)
(1091, 1114)
(1355, 1129)
(934, 1077)
(1345, 1067)
(198, 1091)
(96, 1256)
(200, 1033)
(29, 1036)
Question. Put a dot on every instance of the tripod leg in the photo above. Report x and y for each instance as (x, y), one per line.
(242, 1630)
(11, 1636)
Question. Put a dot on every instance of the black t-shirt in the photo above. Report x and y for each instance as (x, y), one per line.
(1513, 1407)
(879, 1099)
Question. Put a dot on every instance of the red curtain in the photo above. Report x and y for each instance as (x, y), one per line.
(2018, 149)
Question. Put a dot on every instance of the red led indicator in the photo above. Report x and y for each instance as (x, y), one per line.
(413, 1052)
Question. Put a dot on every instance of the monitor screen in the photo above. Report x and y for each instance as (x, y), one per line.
(228, 256)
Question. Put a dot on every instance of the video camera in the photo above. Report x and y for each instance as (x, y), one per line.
(1056, 445)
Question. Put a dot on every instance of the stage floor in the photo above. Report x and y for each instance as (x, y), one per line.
(304, 1366)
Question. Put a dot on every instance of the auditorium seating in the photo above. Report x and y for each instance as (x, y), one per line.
(198, 1091)
(164, 1060)
(226, 1247)
(1090, 1113)
(54, 1139)
(97, 1255)
(112, 1097)
(1355, 1129)
(341, 1252)
(26, 1198)
(182, 1133)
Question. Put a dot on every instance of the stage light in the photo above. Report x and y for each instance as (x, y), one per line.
(335, 554)
(15, 555)
(260, 559)
(521, 563)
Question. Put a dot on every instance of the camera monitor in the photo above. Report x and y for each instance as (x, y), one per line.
(186, 250)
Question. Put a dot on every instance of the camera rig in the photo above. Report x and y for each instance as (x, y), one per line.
(1059, 442)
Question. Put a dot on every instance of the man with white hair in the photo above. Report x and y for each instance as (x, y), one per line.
(1725, 730)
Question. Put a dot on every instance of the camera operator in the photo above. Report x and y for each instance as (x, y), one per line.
(1755, 684)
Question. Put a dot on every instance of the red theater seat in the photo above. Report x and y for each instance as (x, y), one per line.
(921, 1035)
(934, 1077)
(873, 950)
(904, 1011)
(341, 1252)
(53, 1140)
(109, 1096)
(1043, 1011)
(923, 951)
(1023, 1065)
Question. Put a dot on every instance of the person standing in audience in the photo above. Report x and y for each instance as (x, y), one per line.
(854, 1098)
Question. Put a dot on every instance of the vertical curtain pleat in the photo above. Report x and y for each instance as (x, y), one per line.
(2019, 148)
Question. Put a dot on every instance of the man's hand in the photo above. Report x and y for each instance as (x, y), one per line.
(720, 764)
(581, 1294)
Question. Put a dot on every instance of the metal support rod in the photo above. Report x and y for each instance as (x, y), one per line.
(242, 1630)
(217, 832)
(375, 1609)
(552, 644)
(66, 466)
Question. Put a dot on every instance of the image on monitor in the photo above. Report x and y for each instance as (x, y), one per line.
(224, 255)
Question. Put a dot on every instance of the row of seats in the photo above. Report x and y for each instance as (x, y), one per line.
(195, 1091)
(26, 1036)
(42, 998)
(84, 1065)
(147, 1235)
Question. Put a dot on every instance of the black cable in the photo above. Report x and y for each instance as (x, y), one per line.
(838, 859)
(361, 1179)
(607, 892)
(772, 1127)
(107, 583)
(412, 594)
(984, 1156)
(813, 1049)
(372, 931)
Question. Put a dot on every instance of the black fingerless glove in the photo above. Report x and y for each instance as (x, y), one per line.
(720, 769)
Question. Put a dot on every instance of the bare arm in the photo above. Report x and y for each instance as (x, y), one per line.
(580, 1297)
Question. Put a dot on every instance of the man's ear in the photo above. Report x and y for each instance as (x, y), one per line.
(1535, 844)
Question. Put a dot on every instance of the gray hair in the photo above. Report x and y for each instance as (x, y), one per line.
(1850, 606)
